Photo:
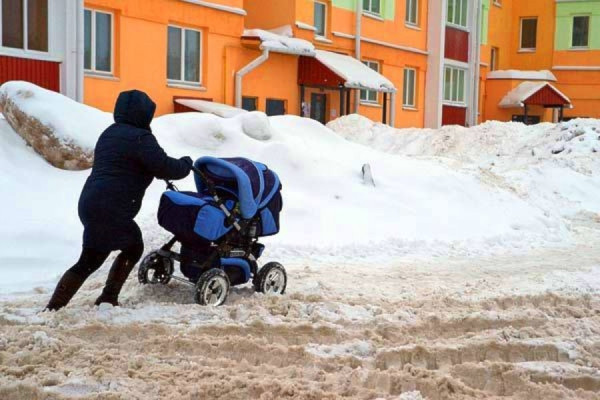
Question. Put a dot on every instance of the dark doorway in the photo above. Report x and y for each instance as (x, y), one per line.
(249, 103)
(318, 106)
(531, 119)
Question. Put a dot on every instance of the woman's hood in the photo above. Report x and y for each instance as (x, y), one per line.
(135, 108)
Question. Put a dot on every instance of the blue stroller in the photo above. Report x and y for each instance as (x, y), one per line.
(237, 201)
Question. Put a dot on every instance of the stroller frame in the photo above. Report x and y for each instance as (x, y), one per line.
(239, 247)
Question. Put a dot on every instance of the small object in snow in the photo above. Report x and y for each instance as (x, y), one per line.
(367, 174)
(533, 152)
(558, 148)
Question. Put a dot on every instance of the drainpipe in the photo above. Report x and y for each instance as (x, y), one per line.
(393, 110)
(245, 70)
(357, 36)
(477, 67)
(79, 51)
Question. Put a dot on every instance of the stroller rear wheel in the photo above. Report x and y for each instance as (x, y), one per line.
(271, 278)
(155, 269)
(212, 288)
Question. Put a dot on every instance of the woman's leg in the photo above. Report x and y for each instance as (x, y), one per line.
(119, 272)
(89, 261)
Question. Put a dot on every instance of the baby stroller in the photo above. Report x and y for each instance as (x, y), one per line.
(237, 201)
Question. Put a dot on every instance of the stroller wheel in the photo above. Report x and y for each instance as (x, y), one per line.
(212, 288)
(155, 269)
(271, 278)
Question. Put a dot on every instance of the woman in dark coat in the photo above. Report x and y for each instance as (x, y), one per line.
(126, 160)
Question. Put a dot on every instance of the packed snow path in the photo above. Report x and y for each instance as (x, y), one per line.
(520, 327)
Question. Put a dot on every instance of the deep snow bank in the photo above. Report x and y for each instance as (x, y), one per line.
(418, 207)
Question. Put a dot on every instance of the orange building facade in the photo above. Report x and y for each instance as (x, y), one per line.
(444, 61)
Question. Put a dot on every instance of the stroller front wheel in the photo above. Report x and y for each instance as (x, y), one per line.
(271, 279)
(155, 269)
(212, 287)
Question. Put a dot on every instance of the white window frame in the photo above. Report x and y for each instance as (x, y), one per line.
(366, 100)
(25, 31)
(451, 101)
(494, 53)
(92, 69)
(527, 49)
(573, 31)
(410, 5)
(453, 22)
(369, 9)
(498, 3)
(324, 35)
(182, 81)
(405, 104)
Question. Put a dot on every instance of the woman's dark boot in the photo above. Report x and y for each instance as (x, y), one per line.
(117, 276)
(66, 288)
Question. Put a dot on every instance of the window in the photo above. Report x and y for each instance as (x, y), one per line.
(97, 39)
(25, 24)
(581, 31)
(370, 96)
(412, 12)
(372, 6)
(494, 59)
(457, 12)
(454, 85)
(410, 78)
(320, 18)
(249, 103)
(275, 107)
(528, 33)
(183, 55)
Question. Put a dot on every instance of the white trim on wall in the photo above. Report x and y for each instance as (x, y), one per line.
(382, 43)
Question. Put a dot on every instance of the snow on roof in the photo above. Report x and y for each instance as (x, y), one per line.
(517, 96)
(209, 107)
(356, 74)
(281, 40)
(544, 75)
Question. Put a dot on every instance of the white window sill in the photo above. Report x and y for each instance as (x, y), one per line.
(370, 104)
(526, 50)
(409, 108)
(374, 16)
(100, 75)
(458, 105)
(323, 39)
(188, 86)
(459, 27)
(28, 54)
(410, 25)
(586, 48)
(497, 4)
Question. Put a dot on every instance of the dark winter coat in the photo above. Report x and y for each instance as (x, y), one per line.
(126, 159)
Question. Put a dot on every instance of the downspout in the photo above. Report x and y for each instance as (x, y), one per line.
(357, 38)
(245, 70)
(477, 66)
(79, 51)
(393, 110)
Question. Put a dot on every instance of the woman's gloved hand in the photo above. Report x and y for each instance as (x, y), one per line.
(188, 161)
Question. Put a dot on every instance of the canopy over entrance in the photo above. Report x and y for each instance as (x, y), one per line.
(535, 94)
(333, 71)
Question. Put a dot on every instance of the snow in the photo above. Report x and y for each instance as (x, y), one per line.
(281, 40)
(543, 75)
(355, 73)
(517, 96)
(43, 104)
(473, 259)
(218, 109)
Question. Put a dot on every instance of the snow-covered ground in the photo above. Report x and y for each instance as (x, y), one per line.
(470, 269)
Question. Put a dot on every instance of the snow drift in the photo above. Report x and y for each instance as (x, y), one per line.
(419, 207)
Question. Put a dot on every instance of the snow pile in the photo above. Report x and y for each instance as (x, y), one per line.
(418, 207)
(65, 142)
(552, 166)
(355, 73)
(281, 40)
(211, 107)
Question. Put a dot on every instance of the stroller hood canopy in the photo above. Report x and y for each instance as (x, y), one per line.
(255, 183)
